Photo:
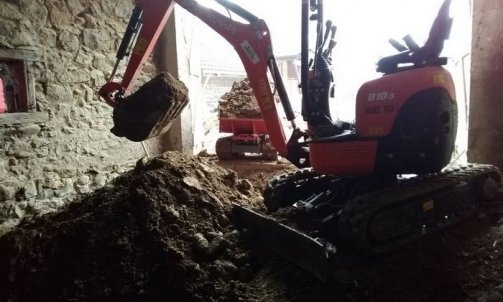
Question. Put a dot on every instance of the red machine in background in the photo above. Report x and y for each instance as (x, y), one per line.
(248, 136)
(13, 86)
(351, 186)
(8, 90)
(3, 105)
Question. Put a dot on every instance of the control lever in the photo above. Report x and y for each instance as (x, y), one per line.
(328, 25)
(397, 45)
(332, 43)
(411, 44)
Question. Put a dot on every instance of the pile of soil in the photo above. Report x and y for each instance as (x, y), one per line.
(162, 232)
(159, 232)
(239, 102)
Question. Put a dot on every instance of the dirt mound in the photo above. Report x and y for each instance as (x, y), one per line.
(160, 232)
(239, 102)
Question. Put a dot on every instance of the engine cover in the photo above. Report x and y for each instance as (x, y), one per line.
(379, 101)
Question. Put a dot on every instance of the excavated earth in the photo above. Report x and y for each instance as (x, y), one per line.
(163, 232)
(135, 118)
(239, 102)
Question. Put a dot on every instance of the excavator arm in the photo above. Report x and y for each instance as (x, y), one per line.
(146, 23)
(251, 41)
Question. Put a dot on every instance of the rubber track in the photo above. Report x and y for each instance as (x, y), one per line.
(354, 222)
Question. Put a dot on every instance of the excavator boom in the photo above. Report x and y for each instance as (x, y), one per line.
(252, 42)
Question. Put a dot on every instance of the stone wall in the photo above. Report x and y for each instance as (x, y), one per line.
(45, 164)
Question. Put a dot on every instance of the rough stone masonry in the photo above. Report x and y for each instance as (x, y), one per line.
(43, 165)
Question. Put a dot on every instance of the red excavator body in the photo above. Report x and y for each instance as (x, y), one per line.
(350, 185)
(405, 123)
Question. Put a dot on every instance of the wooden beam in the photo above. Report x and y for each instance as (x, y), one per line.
(23, 118)
(19, 54)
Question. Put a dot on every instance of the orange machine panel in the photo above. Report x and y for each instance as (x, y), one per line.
(356, 157)
(379, 101)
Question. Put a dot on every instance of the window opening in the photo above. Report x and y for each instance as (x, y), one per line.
(13, 86)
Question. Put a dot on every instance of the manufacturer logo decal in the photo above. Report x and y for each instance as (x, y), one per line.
(438, 79)
(221, 23)
(250, 53)
(381, 96)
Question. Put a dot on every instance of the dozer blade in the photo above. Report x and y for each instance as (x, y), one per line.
(150, 110)
(302, 250)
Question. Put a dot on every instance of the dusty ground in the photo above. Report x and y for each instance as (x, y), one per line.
(162, 233)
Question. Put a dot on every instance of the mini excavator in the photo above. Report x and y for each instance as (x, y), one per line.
(369, 186)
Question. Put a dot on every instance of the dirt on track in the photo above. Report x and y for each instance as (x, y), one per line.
(162, 232)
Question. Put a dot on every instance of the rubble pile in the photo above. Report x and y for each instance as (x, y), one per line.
(239, 102)
(161, 232)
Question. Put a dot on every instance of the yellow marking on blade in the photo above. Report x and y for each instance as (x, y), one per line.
(428, 205)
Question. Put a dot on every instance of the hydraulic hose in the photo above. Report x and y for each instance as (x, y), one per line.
(238, 10)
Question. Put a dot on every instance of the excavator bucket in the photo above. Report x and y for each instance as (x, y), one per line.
(302, 250)
(150, 110)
